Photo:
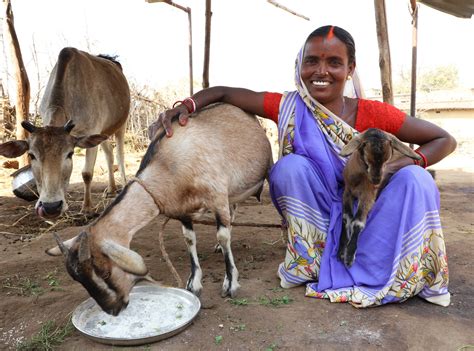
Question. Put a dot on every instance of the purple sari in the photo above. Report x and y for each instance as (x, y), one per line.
(401, 251)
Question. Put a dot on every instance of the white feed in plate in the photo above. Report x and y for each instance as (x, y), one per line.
(153, 313)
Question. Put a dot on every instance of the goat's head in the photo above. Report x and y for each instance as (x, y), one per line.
(107, 270)
(374, 148)
(50, 150)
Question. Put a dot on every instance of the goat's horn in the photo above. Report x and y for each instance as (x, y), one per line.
(125, 258)
(84, 249)
(69, 126)
(351, 146)
(402, 148)
(62, 247)
(30, 127)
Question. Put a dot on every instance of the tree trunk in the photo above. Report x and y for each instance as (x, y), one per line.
(384, 51)
(21, 78)
(207, 45)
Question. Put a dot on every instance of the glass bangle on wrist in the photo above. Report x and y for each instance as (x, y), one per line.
(189, 103)
(423, 157)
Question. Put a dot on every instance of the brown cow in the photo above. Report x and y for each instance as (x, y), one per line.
(87, 99)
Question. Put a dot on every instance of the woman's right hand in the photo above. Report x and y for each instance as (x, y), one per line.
(165, 118)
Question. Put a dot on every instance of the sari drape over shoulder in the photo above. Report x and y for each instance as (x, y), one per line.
(401, 251)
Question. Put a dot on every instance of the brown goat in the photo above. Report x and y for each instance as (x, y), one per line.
(369, 153)
(220, 158)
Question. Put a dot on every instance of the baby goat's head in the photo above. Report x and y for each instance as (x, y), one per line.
(374, 148)
(107, 270)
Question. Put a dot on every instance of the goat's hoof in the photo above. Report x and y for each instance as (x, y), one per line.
(349, 259)
(230, 290)
(190, 287)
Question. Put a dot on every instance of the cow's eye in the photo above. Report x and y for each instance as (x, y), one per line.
(69, 155)
(31, 156)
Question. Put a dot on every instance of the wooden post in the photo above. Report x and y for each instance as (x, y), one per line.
(414, 40)
(384, 51)
(207, 45)
(21, 78)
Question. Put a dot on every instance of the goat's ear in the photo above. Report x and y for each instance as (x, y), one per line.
(84, 249)
(126, 259)
(402, 148)
(62, 248)
(13, 148)
(351, 146)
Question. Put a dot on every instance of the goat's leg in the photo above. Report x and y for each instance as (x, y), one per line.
(346, 232)
(109, 156)
(231, 278)
(233, 210)
(87, 175)
(194, 283)
(358, 224)
(120, 141)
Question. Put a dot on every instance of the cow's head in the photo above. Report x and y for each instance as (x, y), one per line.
(108, 271)
(50, 150)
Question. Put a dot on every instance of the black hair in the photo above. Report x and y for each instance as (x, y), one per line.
(340, 34)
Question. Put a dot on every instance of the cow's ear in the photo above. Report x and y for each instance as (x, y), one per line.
(90, 140)
(14, 148)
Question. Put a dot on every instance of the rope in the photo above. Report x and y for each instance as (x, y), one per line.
(166, 257)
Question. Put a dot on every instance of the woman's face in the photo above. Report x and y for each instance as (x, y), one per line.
(325, 68)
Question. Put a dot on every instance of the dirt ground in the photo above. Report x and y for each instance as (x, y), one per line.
(36, 289)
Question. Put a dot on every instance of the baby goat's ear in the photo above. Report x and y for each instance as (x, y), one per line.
(351, 146)
(402, 148)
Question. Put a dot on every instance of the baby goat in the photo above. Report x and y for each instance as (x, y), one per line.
(220, 158)
(369, 153)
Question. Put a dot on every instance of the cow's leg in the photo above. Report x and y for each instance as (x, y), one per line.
(87, 175)
(194, 281)
(120, 141)
(109, 156)
(231, 278)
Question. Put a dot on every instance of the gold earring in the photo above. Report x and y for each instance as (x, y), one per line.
(349, 77)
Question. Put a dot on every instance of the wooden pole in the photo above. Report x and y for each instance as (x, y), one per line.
(191, 83)
(21, 78)
(384, 51)
(207, 45)
(414, 39)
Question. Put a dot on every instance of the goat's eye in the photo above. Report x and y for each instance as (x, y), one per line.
(31, 156)
(105, 275)
(69, 155)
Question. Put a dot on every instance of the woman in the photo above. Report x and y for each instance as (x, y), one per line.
(401, 252)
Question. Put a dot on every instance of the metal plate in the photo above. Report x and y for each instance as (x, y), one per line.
(154, 313)
(24, 184)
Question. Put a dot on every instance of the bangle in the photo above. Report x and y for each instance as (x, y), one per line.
(189, 103)
(423, 157)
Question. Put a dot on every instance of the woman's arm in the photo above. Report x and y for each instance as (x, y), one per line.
(435, 143)
(247, 100)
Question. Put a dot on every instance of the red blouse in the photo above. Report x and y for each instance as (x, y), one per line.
(370, 113)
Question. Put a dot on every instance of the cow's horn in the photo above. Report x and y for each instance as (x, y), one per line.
(69, 126)
(30, 127)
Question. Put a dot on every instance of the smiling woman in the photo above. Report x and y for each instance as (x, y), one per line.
(314, 122)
